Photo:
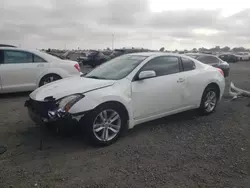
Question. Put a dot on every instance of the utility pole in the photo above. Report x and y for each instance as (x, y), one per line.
(113, 36)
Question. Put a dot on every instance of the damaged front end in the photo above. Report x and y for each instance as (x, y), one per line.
(54, 111)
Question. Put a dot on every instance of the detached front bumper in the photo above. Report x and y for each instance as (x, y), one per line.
(48, 113)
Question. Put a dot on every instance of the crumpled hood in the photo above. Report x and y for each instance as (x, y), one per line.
(69, 86)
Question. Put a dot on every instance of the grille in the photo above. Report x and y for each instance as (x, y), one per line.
(41, 108)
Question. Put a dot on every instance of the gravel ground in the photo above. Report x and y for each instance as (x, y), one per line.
(183, 150)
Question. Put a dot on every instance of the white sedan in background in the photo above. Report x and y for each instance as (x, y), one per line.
(126, 91)
(25, 70)
(243, 56)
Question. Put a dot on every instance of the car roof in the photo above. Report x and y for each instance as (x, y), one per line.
(201, 54)
(44, 55)
(20, 49)
(16, 48)
(7, 45)
(226, 54)
(156, 54)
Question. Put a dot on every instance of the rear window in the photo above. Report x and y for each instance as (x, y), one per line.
(208, 59)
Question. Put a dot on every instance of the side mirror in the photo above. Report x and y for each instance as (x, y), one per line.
(146, 74)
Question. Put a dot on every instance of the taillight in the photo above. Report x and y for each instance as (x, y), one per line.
(77, 66)
(221, 71)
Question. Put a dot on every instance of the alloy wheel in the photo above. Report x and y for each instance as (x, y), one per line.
(107, 125)
(210, 101)
(49, 80)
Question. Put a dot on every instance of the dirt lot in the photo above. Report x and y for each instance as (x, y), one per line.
(184, 150)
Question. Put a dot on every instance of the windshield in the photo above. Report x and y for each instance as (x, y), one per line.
(116, 68)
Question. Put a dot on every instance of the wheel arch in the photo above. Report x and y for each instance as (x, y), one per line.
(57, 71)
(122, 106)
(216, 86)
(48, 74)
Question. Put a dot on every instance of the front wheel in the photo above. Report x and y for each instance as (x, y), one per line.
(209, 100)
(106, 124)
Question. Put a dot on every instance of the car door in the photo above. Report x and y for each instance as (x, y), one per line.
(20, 70)
(161, 94)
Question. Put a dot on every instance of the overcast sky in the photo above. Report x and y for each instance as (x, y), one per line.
(139, 23)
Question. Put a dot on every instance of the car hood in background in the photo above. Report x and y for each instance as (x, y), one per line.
(224, 63)
(83, 58)
(69, 86)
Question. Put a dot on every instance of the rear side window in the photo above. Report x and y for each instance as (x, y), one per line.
(13, 57)
(38, 59)
(208, 59)
(188, 64)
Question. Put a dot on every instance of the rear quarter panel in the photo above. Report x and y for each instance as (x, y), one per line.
(198, 80)
(64, 70)
(66, 66)
(214, 76)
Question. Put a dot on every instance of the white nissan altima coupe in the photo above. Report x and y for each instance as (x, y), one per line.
(126, 91)
(25, 70)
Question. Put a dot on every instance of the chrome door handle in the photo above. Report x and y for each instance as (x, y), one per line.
(180, 80)
(40, 65)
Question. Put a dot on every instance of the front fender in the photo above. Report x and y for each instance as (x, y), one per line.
(95, 98)
(85, 104)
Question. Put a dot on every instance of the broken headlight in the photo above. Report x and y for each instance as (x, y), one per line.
(67, 102)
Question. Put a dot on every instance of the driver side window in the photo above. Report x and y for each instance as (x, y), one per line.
(163, 65)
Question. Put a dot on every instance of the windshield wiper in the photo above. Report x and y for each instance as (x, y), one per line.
(96, 77)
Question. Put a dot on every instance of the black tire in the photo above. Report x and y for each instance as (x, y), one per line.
(93, 65)
(90, 120)
(48, 79)
(203, 110)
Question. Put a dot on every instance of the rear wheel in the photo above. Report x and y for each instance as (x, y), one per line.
(209, 100)
(93, 65)
(48, 79)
